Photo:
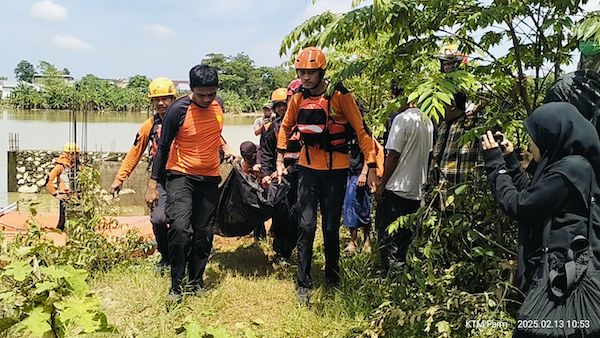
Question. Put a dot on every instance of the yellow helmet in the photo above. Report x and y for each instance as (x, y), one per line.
(71, 147)
(161, 86)
(279, 95)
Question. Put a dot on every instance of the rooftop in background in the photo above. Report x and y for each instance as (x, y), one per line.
(66, 78)
(182, 85)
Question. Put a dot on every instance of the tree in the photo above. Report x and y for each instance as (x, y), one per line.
(244, 84)
(24, 71)
(139, 82)
(66, 71)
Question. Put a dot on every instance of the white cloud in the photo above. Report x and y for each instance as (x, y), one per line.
(70, 42)
(48, 11)
(160, 32)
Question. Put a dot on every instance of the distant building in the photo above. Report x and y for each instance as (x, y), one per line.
(121, 83)
(37, 78)
(182, 85)
(6, 89)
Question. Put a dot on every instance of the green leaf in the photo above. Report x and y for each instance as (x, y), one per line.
(76, 280)
(37, 322)
(459, 190)
(45, 286)
(81, 312)
(19, 270)
(413, 96)
(54, 272)
(193, 330)
(425, 95)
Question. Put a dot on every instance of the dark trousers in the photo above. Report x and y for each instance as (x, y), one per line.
(260, 232)
(159, 223)
(190, 205)
(324, 187)
(284, 226)
(62, 215)
(393, 247)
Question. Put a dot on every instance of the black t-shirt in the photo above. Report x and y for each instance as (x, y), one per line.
(357, 159)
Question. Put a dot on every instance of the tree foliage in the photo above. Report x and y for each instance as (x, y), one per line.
(24, 71)
(401, 40)
(243, 85)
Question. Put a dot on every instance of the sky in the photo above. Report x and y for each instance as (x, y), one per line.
(118, 39)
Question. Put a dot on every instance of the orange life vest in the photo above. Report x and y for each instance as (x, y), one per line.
(317, 128)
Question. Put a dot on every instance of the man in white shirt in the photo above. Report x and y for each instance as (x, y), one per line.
(261, 122)
(400, 190)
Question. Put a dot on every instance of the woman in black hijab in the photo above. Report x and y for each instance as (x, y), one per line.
(567, 149)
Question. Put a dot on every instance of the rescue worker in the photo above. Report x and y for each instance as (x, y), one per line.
(285, 221)
(162, 92)
(63, 174)
(324, 122)
(188, 158)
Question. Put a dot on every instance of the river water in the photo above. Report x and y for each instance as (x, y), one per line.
(114, 132)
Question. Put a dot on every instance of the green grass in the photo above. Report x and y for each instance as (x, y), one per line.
(246, 296)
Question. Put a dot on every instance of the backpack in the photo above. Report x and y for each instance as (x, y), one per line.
(564, 301)
(581, 89)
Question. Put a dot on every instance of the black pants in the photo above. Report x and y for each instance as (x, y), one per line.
(159, 223)
(285, 221)
(324, 187)
(393, 247)
(260, 232)
(62, 215)
(190, 205)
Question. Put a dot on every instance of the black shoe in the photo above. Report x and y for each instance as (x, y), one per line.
(303, 295)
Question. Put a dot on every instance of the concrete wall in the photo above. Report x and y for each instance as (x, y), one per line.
(27, 171)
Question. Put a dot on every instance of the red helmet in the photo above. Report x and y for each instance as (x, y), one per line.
(294, 87)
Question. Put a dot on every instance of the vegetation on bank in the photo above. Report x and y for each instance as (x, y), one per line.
(243, 86)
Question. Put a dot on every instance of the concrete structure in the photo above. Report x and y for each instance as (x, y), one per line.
(37, 78)
(6, 89)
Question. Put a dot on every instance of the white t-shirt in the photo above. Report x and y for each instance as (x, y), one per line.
(258, 124)
(411, 135)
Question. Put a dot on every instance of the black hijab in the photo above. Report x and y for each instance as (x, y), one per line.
(559, 130)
